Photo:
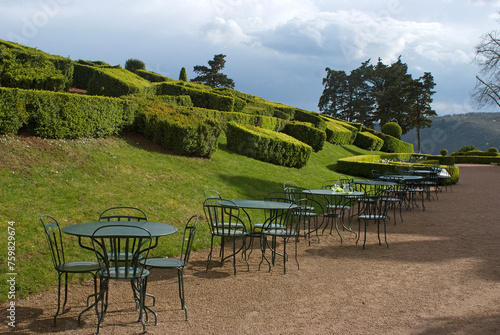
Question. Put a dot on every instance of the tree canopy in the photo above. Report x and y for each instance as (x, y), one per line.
(212, 76)
(379, 93)
(134, 64)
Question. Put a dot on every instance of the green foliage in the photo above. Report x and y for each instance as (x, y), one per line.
(116, 82)
(212, 76)
(63, 115)
(363, 165)
(304, 132)
(392, 144)
(466, 148)
(28, 68)
(368, 141)
(444, 152)
(201, 96)
(151, 76)
(13, 113)
(393, 129)
(305, 116)
(267, 146)
(475, 152)
(493, 150)
(181, 134)
(183, 75)
(134, 64)
(337, 133)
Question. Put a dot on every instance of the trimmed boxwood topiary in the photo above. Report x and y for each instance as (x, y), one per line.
(267, 146)
(393, 129)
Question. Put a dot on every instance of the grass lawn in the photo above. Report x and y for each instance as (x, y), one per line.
(76, 180)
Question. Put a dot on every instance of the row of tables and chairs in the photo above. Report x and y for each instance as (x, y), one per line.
(300, 211)
(121, 240)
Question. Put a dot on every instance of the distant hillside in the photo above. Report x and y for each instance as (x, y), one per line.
(452, 132)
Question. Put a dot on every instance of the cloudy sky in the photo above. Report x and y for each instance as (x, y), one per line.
(275, 49)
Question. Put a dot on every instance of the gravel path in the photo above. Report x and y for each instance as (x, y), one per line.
(441, 275)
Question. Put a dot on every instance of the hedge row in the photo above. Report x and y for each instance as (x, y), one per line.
(62, 115)
(476, 153)
(203, 98)
(116, 82)
(363, 165)
(304, 132)
(368, 141)
(28, 68)
(265, 122)
(477, 159)
(151, 76)
(267, 146)
(180, 133)
(314, 118)
(392, 144)
(336, 133)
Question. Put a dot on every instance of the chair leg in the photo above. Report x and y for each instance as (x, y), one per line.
(58, 298)
(181, 291)
(210, 253)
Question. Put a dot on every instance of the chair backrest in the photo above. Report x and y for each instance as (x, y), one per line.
(222, 219)
(294, 193)
(188, 238)
(123, 214)
(376, 204)
(328, 184)
(119, 248)
(54, 238)
(288, 184)
(212, 194)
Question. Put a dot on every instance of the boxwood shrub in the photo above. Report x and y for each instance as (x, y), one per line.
(202, 97)
(392, 144)
(368, 141)
(336, 133)
(304, 132)
(267, 146)
(13, 113)
(182, 134)
(64, 115)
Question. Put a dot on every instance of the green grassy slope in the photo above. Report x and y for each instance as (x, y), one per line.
(76, 180)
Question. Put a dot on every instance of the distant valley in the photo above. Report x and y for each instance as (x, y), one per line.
(452, 132)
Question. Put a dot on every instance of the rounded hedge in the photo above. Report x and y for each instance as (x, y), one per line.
(444, 152)
(393, 129)
(493, 150)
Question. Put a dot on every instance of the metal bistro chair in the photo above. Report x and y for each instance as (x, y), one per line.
(374, 209)
(313, 216)
(225, 223)
(123, 214)
(54, 238)
(291, 221)
(110, 243)
(178, 263)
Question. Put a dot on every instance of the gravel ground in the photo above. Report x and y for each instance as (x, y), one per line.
(440, 275)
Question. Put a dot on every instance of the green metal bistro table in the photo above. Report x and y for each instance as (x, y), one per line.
(335, 199)
(86, 230)
(271, 206)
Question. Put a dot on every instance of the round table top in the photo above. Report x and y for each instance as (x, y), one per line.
(406, 177)
(375, 182)
(86, 229)
(257, 204)
(326, 191)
